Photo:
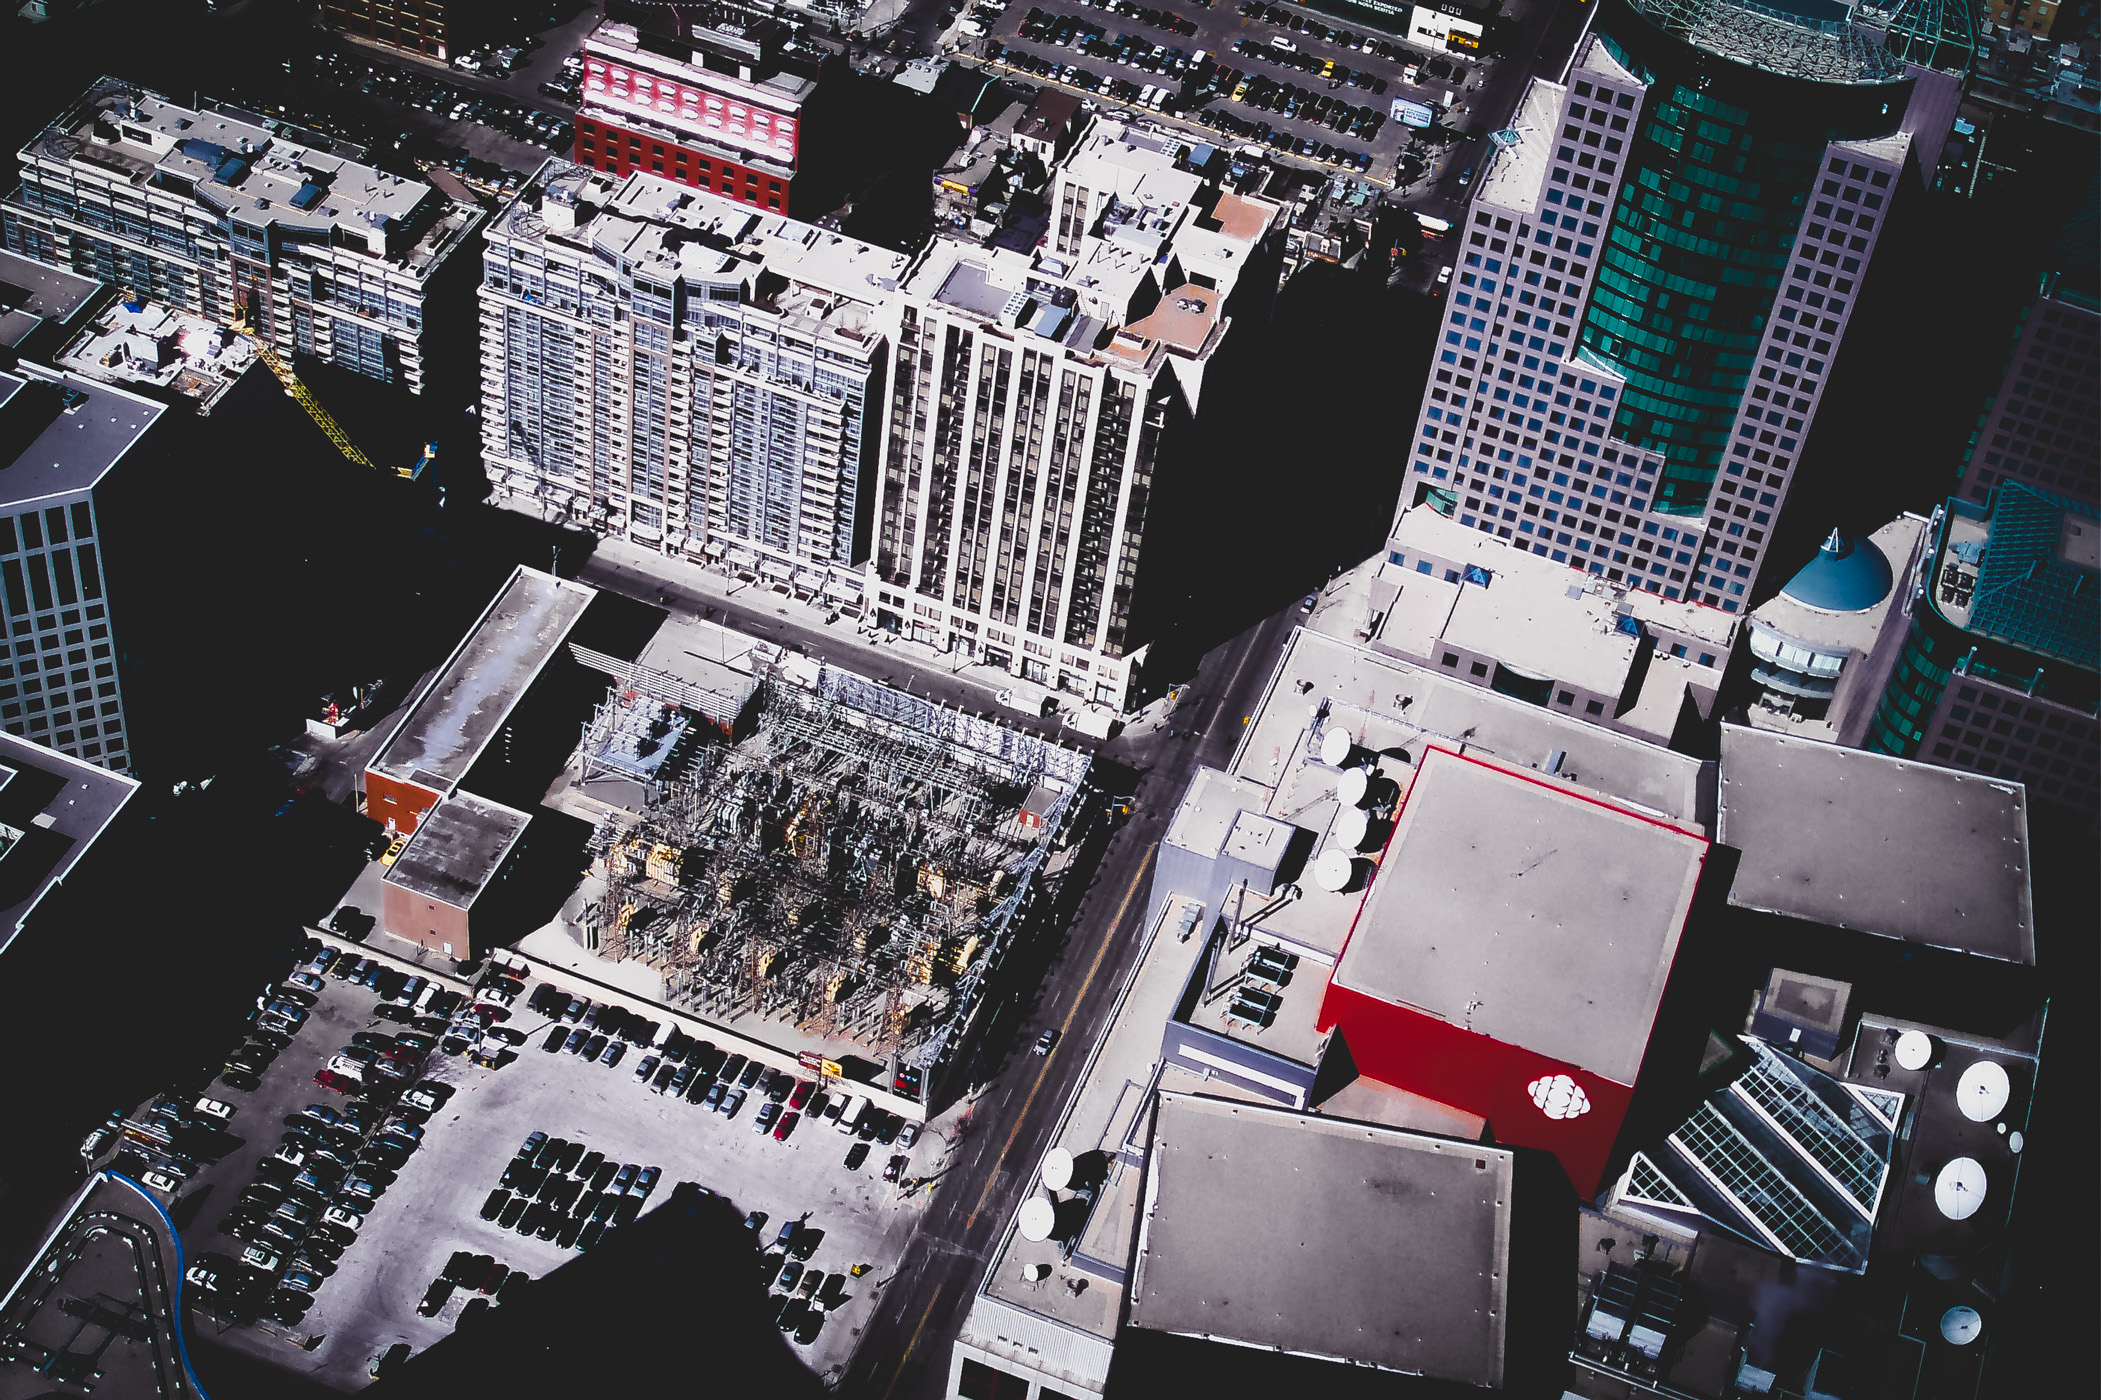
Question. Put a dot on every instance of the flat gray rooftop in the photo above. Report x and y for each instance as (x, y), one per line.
(1363, 1243)
(33, 292)
(1525, 912)
(439, 740)
(72, 430)
(458, 848)
(60, 806)
(1883, 845)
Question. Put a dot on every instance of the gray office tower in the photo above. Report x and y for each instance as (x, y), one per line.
(1662, 258)
(60, 438)
(687, 373)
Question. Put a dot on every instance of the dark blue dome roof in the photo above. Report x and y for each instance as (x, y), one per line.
(1846, 576)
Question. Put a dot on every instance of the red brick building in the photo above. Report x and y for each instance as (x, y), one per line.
(705, 97)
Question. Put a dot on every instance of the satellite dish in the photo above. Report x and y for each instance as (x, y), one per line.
(1333, 870)
(1355, 783)
(2015, 1142)
(1959, 1189)
(1914, 1050)
(1037, 1217)
(1982, 1091)
(1350, 828)
(1334, 745)
(1961, 1325)
(1057, 1169)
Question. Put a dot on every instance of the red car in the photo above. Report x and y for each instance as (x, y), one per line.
(801, 1095)
(785, 1126)
(329, 1079)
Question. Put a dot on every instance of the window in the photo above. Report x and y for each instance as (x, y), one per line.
(981, 1382)
(1450, 659)
(1566, 697)
(1594, 707)
(1479, 668)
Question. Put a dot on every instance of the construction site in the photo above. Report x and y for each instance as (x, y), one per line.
(841, 859)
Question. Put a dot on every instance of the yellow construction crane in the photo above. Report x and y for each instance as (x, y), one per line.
(325, 420)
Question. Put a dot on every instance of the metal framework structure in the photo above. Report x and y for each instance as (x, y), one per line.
(1806, 40)
(853, 863)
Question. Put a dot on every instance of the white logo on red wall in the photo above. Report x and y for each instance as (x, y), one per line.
(1559, 1096)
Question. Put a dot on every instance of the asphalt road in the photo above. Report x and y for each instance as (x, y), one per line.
(905, 1353)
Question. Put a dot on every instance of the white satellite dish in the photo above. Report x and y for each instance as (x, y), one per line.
(1057, 1169)
(1982, 1091)
(2015, 1142)
(1355, 783)
(1334, 745)
(1959, 1189)
(1333, 870)
(1350, 828)
(1038, 1215)
(1914, 1050)
(1961, 1325)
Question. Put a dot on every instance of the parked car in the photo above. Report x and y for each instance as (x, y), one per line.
(493, 1206)
(856, 1155)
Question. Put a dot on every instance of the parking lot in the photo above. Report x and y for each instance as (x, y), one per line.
(1277, 77)
(430, 1209)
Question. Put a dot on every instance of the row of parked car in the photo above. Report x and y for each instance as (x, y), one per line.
(309, 1197)
(556, 1190)
(480, 1274)
(1297, 23)
(447, 99)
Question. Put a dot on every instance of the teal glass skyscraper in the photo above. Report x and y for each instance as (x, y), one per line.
(1663, 255)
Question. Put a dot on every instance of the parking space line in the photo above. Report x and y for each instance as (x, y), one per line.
(1107, 938)
(904, 1359)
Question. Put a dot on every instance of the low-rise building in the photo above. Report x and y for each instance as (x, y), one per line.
(445, 890)
(1824, 644)
(244, 220)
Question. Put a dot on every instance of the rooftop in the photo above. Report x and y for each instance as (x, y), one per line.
(1808, 39)
(1516, 909)
(458, 848)
(1516, 172)
(1805, 614)
(32, 292)
(52, 811)
(1845, 576)
(62, 433)
(745, 43)
(257, 170)
(441, 737)
(1048, 116)
(2034, 558)
(1883, 845)
(1319, 1211)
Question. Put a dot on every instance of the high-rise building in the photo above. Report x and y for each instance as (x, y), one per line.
(1661, 260)
(2000, 671)
(2040, 428)
(674, 368)
(229, 215)
(1034, 398)
(436, 29)
(60, 438)
(707, 95)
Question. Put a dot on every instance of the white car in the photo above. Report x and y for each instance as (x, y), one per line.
(201, 1276)
(212, 1108)
(158, 1181)
(306, 981)
(348, 1219)
(257, 1257)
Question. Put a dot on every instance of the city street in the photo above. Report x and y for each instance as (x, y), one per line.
(905, 1354)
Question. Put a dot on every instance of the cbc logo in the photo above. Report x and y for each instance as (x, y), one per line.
(1559, 1096)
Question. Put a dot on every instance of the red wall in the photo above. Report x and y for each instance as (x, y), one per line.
(1469, 1071)
(396, 805)
(603, 146)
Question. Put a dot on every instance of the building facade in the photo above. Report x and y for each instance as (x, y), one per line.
(240, 219)
(2000, 671)
(436, 29)
(710, 97)
(2040, 427)
(1661, 260)
(671, 367)
(1033, 400)
(65, 435)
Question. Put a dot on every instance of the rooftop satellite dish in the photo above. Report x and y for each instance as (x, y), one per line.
(1961, 1325)
(1038, 1215)
(1355, 783)
(1982, 1091)
(2015, 1142)
(1959, 1189)
(1057, 1169)
(1334, 745)
(1914, 1050)
(1350, 828)
(1333, 870)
